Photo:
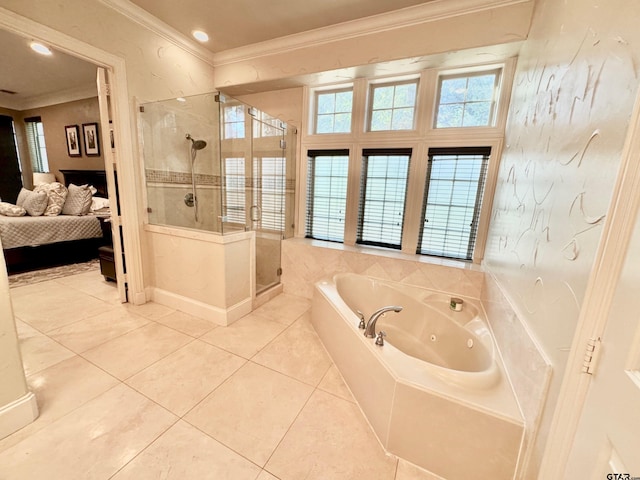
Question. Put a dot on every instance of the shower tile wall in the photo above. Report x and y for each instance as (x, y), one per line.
(168, 161)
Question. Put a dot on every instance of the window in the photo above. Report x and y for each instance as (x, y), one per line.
(333, 111)
(405, 191)
(266, 126)
(233, 125)
(234, 190)
(37, 146)
(392, 106)
(467, 100)
(382, 197)
(453, 196)
(327, 194)
(269, 173)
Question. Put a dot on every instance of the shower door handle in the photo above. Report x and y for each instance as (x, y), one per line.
(255, 213)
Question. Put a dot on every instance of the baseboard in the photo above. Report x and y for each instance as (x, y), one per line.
(18, 414)
(217, 315)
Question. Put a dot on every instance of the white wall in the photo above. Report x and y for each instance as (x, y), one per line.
(574, 89)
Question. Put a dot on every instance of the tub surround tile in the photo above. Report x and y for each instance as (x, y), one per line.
(94, 441)
(424, 427)
(182, 453)
(297, 352)
(245, 337)
(306, 262)
(185, 323)
(136, 350)
(251, 412)
(85, 334)
(369, 381)
(182, 379)
(349, 449)
(529, 370)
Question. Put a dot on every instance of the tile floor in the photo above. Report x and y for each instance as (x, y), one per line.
(148, 392)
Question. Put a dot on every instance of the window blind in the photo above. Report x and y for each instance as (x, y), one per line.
(382, 197)
(451, 208)
(36, 143)
(234, 190)
(270, 175)
(327, 194)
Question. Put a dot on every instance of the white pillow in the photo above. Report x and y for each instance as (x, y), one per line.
(78, 200)
(98, 203)
(35, 203)
(10, 210)
(56, 194)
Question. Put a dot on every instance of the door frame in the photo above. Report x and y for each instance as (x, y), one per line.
(601, 287)
(23, 26)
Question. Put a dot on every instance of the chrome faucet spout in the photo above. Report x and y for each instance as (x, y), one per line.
(370, 330)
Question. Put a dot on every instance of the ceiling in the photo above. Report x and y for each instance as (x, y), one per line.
(35, 78)
(40, 81)
(232, 24)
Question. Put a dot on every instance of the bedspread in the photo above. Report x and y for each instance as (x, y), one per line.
(31, 231)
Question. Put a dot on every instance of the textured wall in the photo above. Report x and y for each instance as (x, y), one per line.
(54, 119)
(574, 90)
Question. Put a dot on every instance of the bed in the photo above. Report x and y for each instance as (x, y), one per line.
(31, 243)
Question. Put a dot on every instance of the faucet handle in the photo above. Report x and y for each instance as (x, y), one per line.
(380, 337)
(362, 324)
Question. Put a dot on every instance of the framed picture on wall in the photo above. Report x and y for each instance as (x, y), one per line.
(73, 140)
(91, 141)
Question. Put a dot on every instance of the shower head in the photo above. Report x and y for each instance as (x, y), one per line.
(196, 144)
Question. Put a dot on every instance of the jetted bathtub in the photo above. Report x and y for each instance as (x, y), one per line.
(436, 392)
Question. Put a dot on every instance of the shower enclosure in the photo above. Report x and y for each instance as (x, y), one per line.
(215, 164)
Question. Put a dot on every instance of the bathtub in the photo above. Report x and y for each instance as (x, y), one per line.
(436, 392)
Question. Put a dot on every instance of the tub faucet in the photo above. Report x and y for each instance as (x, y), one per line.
(370, 331)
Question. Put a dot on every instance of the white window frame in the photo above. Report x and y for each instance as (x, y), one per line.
(392, 83)
(424, 136)
(467, 74)
(313, 119)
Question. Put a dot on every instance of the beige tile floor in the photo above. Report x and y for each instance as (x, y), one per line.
(148, 392)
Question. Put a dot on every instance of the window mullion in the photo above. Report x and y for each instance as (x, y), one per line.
(353, 196)
(415, 189)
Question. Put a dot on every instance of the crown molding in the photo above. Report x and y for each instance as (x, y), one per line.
(64, 96)
(157, 26)
(405, 17)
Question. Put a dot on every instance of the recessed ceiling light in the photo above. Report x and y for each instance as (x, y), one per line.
(200, 36)
(181, 99)
(40, 48)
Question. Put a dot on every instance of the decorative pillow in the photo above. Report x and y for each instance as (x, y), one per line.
(10, 210)
(98, 203)
(57, 194)
(78, 200)
(35, 203)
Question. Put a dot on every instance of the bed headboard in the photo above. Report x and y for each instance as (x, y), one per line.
(97, 178)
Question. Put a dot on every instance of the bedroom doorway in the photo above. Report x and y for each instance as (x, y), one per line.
(118, 103)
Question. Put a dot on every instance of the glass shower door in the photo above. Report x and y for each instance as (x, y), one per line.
(267, 199)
